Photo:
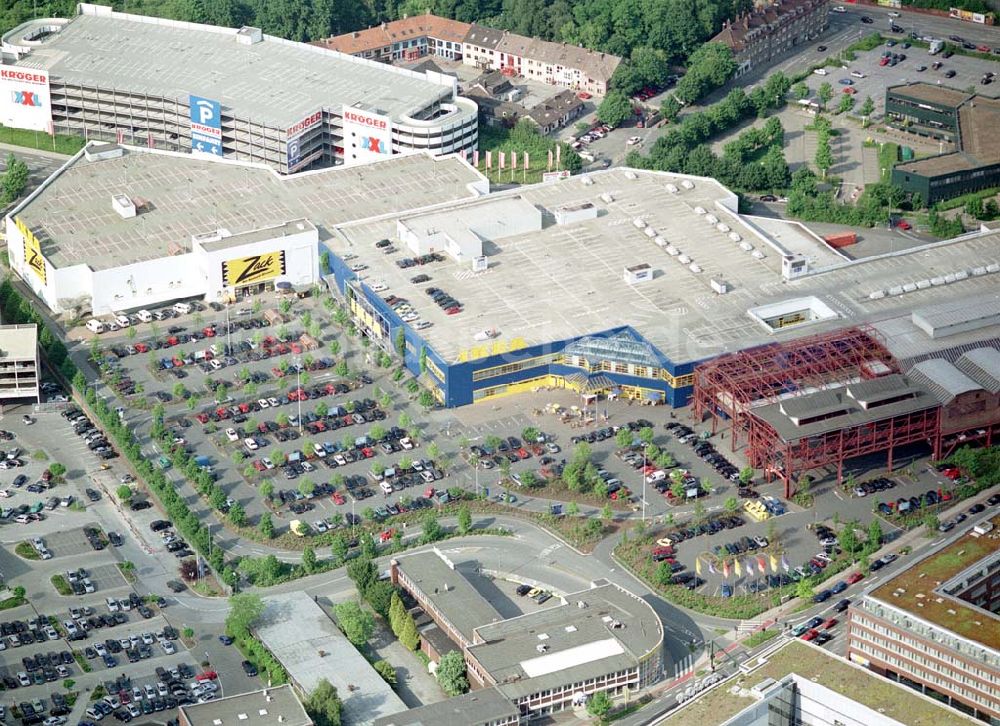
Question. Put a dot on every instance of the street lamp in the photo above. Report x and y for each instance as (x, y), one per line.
(298, 386)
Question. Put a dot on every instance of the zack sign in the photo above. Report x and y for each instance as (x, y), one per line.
(206, 125)
(24, 99)
(32, 251)
(253, 268)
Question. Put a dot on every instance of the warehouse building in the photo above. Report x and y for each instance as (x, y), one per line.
(19, 372)
(118, 230)
(229, 92)
(934, 626)
(600, 639)
(644, 276)
(266, 707)
(965, 121)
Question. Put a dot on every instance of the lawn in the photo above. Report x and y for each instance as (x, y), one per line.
(61, 586)
(68, 145)
(26, 550)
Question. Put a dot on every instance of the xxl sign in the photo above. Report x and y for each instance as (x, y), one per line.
(24, 99)
(252, 269)
(367, 136)
(206, 125)
(32, 251)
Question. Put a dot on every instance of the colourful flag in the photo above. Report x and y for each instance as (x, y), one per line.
(736, 566)
(503, 159)
(711, 568)
(558, 153)
(774, 563)
(550, 159)
(784, 564)
(475, 158)
(465, 155)
(697, 565)
(761, 564)
(513, 161)
(725, 569)
(489, 159)
(526, 164)
(149, 139)
(121, 136)
(748, 564)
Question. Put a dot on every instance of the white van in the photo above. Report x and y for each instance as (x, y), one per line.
(95, 326)
(182, 308)
(122, 320)
(386, 488)
(144, 315)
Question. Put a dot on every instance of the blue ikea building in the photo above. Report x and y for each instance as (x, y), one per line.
(615, 362)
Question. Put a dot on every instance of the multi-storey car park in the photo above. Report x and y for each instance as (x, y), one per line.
(231, 92)
(934, 626)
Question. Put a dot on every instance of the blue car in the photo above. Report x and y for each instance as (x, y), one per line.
(727, 591)
(838, 588)
(822, 596)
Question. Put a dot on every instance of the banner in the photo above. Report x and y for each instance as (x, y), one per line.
(774, 563)
(697, 566)
(32, 251)
(24, 99)
(206, 125)
(253, 269)
(367, 135)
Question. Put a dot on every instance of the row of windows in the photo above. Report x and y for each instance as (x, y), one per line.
(898, 643)
(588, 686)
(629, 369)
(928, 676)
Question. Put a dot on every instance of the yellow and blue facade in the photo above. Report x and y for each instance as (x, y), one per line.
(616, 361)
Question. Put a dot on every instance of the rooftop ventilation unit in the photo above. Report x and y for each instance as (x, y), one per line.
(684, 259)
(746, 246)
(876, 295)
(123, 205)
(719, 286)
(630, 175)
(699, 210)
(735, 237)
(649, 232)
(672, 188)
(711, 219)
(687, 184)
(660, 241)
(722, 227)
(672, 251)
(607, 198)
(639, 223)
(586, 180)
(757, 254)
(248, 35)
(994, 267)
(695, 268)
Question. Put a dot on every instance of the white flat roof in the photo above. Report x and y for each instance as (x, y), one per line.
(578, 655)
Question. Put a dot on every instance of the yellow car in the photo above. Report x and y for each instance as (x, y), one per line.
(665, 542)
(534, 591)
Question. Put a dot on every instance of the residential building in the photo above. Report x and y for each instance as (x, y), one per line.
(964, 122)
(266, 707)
(481, 707)
(19, 372)
(556, 112)
(600, 639)
(801, 684)
(407, 39)
(772, 29)
(559, 64)
(934, 626)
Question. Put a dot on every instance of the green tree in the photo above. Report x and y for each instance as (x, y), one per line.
(874, 534)
(426, 399)
(237, 514)
(267, 490)
(385, 669)
(265, 526)
(362, 572)
(572, 509)
(824, 93)
(338, 547)
(731, 505)
(800, 90)
(606, 513)
(309, 560)
(824, 155)
(307, 487)
(846, 103)
(357, 623)
(15, 179)
(432, 530)
(324, 705)
(451, 673)
(624, 437)
(599, 704)
(848, 540)
(699, 511)
(56, 469)
(464, 520)
(124, 492)
(746, 476)
(867, 107)
(530, 434)
(615, 109)
(245, 609)
(646, 435)
(804, 589)
(670, 109)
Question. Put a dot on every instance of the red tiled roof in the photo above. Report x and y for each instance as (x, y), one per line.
(380, 36)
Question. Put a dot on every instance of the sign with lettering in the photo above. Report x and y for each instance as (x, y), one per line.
(32, 251)
(367, 135)
(252, 269)
(24, 99)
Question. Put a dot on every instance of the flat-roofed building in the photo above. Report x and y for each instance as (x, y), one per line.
(231, 92)
(600, 639)
(19, 374)
(266, 707)
(481, 707)
(934, 625)
(802, 684)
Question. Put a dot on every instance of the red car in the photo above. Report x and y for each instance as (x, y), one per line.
(277, 372)
(523, 453)
(259, 465)
(904, 225)
(583, 96)
(855, 578)
(338, 498)
(952, 473)
(849, 91)
(809, 635)
(206, 676)
(829, 623)
(202, 418)
(945, 495)
(387, 535)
